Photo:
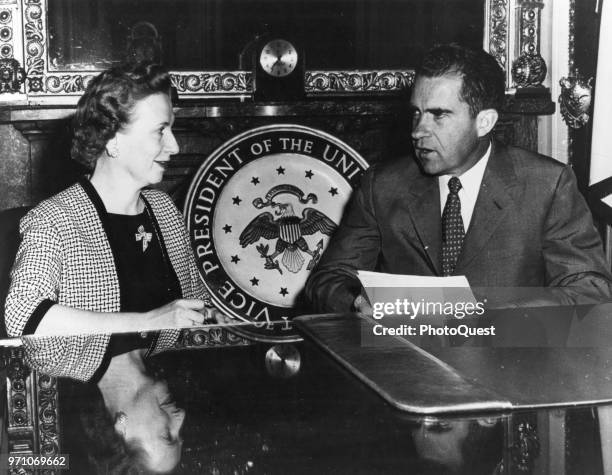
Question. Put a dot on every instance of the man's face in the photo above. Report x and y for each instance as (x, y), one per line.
(444, 133)
(441, 442)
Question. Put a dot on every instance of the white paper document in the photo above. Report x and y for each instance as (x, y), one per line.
(431, 292)
(380, 279)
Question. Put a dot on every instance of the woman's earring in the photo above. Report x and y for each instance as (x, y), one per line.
(112, 149)
(121, 422)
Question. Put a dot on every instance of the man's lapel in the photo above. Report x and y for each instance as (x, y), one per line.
(424, 205)
(494, 199)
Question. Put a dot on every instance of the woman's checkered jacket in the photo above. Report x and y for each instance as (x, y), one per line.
(65, 257)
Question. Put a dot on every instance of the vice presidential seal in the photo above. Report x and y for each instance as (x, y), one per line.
(260, 212)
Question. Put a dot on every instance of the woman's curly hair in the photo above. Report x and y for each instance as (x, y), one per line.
(107, 103)
(108, 452)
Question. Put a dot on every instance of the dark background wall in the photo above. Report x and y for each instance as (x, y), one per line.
(35, 153)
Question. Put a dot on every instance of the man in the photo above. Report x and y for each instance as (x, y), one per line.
(457, 446)
(464, 204)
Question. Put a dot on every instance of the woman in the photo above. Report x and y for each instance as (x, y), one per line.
(107, 254)
(130, 420)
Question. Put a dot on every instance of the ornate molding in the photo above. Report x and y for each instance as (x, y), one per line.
(48, 415)
(529, 69)
(512, 36)
(576, 91)
(210, 338)
(7, 28)
(526, 447)
(12, 75)
(35, 45)
(231, 83)
(47, 85)
(33, 412)
(571, 54)
(213, 82)
(21, 423)
(342, 82)
(571, 40)
(530, 27)
(67, 83)
(497, 21)
(41, 81)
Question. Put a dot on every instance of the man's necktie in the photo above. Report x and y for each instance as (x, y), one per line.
(453, 232)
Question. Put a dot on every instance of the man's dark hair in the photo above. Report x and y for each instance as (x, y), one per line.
(482, 449)
(107, 103)
(484, 80)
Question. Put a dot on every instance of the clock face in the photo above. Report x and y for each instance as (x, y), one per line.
(278, 58)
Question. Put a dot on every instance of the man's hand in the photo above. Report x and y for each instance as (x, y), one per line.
(362, 306)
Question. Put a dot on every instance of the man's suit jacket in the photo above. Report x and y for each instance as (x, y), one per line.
(530, 227)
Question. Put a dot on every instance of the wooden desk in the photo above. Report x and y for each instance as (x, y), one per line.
(241, 419)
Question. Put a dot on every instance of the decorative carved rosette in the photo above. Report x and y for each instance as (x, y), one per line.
(6, 33)
(529, 70)
(12, 75)
(17, 374)
(530, 27)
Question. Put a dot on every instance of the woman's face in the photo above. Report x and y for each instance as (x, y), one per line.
(146, 143)
(154, 423)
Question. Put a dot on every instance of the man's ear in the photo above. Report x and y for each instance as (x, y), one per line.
(485, 121)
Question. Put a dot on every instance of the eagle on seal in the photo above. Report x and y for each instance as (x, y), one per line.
(289, 230)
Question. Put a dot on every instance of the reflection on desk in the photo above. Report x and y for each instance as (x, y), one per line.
(240, 417)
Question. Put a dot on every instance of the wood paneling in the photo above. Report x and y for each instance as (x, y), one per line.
(35, 143)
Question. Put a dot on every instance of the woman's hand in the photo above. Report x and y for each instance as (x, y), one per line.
(183, 313)
(214, 315)
(177, 314)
